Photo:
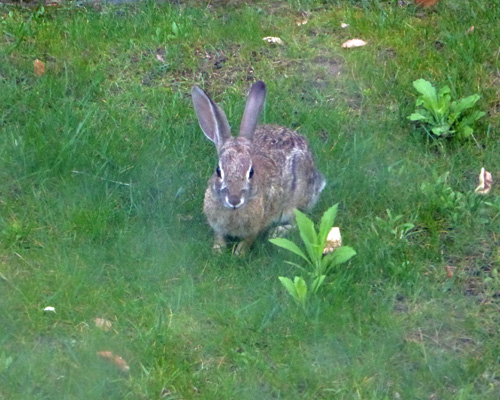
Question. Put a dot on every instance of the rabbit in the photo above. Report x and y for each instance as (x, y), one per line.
(262, 176)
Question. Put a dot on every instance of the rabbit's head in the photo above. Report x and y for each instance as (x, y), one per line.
(232, 182)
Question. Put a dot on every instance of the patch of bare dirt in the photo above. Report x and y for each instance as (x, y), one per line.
(333, 67)
(445, 339)
(477, 271)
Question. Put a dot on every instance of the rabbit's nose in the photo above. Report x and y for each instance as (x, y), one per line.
(234, 201)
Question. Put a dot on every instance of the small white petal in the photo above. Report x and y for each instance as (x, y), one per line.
(49, 309)
(344, 25)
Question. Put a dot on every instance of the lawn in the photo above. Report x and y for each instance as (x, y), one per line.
(103, 168)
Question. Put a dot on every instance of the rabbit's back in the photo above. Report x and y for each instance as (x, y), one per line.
(291, 163)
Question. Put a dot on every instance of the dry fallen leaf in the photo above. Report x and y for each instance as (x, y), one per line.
(485, 182)
(104, 324)
(159, 57)
(333, 240)
(301, 22)
(470, 30)
(353, 43)
(38, 67)
(449, 271)
(114, 359)
(272, 39)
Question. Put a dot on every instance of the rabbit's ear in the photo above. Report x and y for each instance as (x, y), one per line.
(212, 119)
(254, 105)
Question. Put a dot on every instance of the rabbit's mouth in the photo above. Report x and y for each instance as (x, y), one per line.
(233, 202)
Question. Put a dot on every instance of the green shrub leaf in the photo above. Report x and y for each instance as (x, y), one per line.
(308, 234)
(428, 92)
(417, 117)
(290, 246)
(301, 288)
(289, 286)
(339, 256)
(465, 103)
(326, 224)
(317, 282)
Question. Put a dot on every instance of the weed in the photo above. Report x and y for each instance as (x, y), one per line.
(318, 265)
(493, 281)
(441, 117)
(456, 206)
(393, 224)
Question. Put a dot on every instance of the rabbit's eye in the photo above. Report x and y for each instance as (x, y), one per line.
(218, 170)
(250, 173)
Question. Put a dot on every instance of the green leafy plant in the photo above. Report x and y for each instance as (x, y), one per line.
(440, 116)
(452, 204)
(394, 225)
(175, 29)
(317, 265)
(494, 278)
(296, 288)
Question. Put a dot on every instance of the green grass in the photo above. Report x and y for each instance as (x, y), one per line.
(103, 169)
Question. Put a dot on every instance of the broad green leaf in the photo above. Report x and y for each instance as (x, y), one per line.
(175, 28)
(301, 288)
(317, 282)
(339, 256)
(443, 107)
(464, 131)
(289, 286)
(417, 117)
(428, 92)
(326, 224)
(425, 88)
(443, 91)
(441, 130)
(452, 118)
(308, 234)
(464, 104)
(443, 104)
(421, 114)
(464, 127)
(290, 246)
(472, 117)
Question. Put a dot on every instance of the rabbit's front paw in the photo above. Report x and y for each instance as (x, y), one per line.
(219, 244)
(244, 246)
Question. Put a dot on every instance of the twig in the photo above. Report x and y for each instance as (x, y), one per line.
(103, 179)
